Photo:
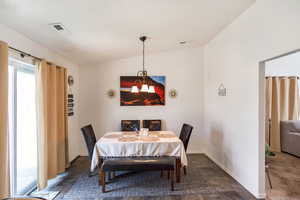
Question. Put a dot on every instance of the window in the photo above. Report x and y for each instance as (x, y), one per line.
(22, 125)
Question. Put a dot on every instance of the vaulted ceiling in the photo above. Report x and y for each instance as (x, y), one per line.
(101, 30)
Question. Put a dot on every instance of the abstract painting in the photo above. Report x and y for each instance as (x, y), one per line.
(142, 98)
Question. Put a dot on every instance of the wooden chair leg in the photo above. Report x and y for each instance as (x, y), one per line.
(172, 180)
(178, 169)
(103, 181)
(168, 174)
(184, 170)
(161, 173)
(100, 177)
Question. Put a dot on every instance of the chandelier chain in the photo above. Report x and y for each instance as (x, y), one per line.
(143, 56)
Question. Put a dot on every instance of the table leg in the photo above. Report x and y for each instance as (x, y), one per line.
(268, 176)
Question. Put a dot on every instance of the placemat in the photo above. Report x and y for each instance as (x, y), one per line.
(166, 135)
(128, 139)
(154, 133)
(129, 133)
(112, 136)
(149, 139)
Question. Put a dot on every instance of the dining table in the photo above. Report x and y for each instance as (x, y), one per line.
(133, 144)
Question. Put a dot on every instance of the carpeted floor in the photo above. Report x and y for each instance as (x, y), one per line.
(285, 177)
(205, 181)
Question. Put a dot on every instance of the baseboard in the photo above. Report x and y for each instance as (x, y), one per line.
(261, 196)
(194, 153)
(72, 161)
(257, 196)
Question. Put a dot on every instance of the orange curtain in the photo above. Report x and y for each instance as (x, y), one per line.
(52, 125)
(282, 103)
(4, 147)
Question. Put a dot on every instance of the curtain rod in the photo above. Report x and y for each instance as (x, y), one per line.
(282, 77)
(24, 53)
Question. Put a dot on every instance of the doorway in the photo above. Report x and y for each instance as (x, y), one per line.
(280, 125)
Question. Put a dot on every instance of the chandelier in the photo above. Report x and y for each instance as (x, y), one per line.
(142, 76)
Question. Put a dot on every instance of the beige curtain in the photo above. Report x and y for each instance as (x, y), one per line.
(52, 122)
(282, 103)
(4, 147)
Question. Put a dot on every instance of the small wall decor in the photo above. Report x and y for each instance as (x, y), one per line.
(70, 80)
(111, 93)
(70, 97)
(70, 105)
(173, 93)
(141, 98)
(222, 90)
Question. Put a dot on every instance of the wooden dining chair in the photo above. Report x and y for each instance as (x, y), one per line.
(152, 125)
(185, 135)
(90, 140)
(130, 125)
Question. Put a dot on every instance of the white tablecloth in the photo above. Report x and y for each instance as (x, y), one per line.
(112, 147)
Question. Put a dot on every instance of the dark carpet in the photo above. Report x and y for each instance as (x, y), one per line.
(204, 181)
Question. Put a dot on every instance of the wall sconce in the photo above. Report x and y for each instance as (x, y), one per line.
(111, 93)
(173, 93)
(70, 80)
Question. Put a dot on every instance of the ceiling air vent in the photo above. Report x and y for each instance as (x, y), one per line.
(60, 28)
(57, 26)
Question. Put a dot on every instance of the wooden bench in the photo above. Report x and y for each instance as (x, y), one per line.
(149, 164)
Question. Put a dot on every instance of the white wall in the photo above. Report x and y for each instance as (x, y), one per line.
(233, 134)
(288, 65)
(21, 42)
(183, 70)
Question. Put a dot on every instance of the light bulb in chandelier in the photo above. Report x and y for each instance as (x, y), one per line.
(151, 89)
(144, 88)
(134, 89)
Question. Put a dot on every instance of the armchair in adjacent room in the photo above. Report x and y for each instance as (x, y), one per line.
(290, 137)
